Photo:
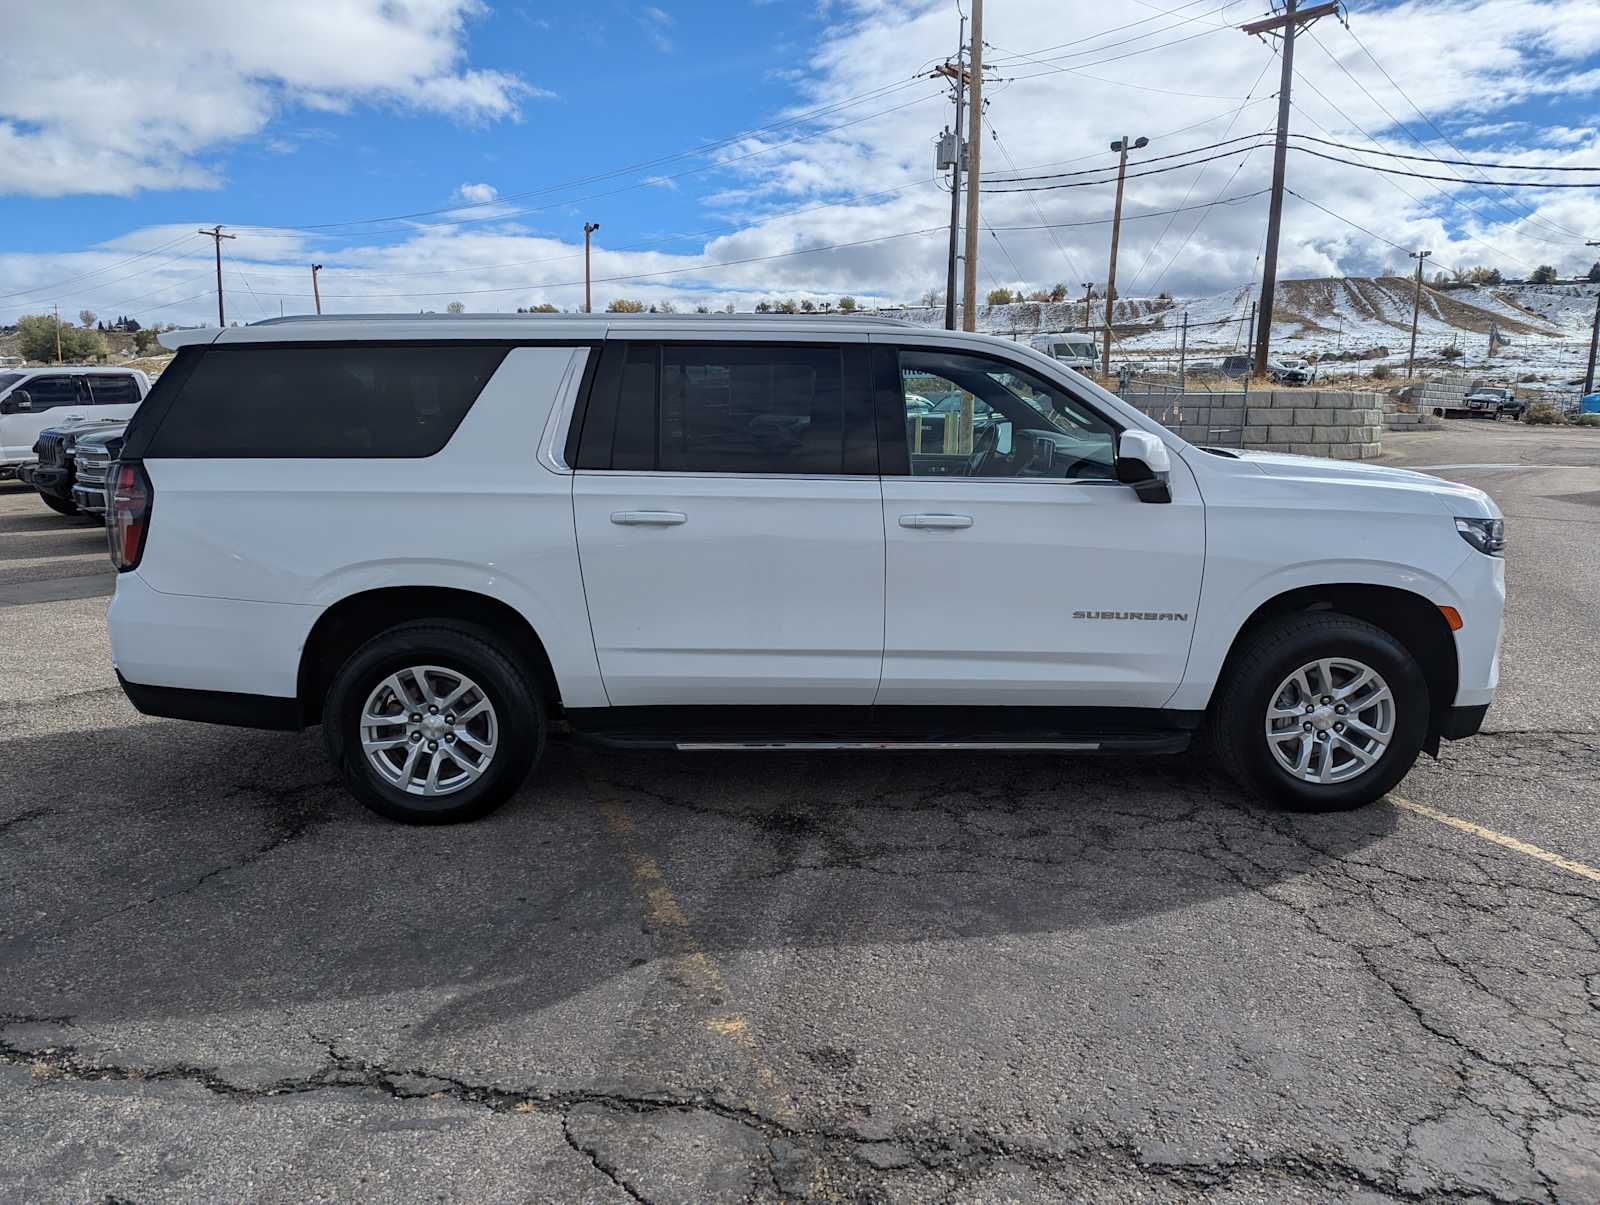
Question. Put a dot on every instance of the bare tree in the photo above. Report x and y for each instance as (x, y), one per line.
(87, 317)
(456, 307)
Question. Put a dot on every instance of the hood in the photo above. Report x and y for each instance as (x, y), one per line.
(1456, 498)
(101, 435)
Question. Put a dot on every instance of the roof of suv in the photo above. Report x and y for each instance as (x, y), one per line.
(55, 368)
(313, 327)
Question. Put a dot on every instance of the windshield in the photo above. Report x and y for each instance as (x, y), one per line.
(1073, 351)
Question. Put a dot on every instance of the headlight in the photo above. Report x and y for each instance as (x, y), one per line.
(1488, 536)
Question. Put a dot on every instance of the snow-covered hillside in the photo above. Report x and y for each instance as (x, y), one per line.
(1542, 331)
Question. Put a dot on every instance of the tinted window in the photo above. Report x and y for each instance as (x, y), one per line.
(367, 400)
(8, 379)
(751, 409)
(971, 416)
(51, 391)
(112, 390)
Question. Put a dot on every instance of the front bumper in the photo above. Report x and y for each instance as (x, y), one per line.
(91, 499)
(49, 479)
(1459, 722)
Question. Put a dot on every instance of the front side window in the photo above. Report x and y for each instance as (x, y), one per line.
(51, 391)
(989, 418)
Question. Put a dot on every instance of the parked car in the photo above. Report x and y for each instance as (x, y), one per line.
(439, 537)
(1489, 401)
(32, 399)
(1074, 350)
(92, 457)
(1291, 372)
(54, 474)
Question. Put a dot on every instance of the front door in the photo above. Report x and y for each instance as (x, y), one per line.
(730, 524)
(54, 400)
(1019, 571)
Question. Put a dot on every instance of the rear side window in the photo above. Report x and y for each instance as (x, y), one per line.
(790, 409)
(114, 390)
(367, 400)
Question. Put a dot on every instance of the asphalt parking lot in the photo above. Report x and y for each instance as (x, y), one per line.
(719, 978)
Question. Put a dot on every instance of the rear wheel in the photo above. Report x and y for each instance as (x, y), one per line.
(433, 722)
(62, 506)
(1321, 712)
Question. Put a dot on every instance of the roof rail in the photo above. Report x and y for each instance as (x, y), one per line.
(836, 315)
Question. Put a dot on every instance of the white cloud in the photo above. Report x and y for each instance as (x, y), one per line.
(135, 98)
(477, 194)
(655, 22)
(1484, 60)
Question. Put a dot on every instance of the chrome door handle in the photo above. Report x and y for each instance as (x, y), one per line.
(936, 522)
(648, 518)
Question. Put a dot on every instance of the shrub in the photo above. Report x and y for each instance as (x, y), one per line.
(1542, 414)
(1544, 274)
(847, 305)
(1381, 372)
(144, 342)
(36, 339)
(625, 305)
(1589, 420)
(1452, 352)
(1000, 296)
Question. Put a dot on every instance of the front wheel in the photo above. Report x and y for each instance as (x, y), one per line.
(1321, 712)
(62, 506)
(433, 722)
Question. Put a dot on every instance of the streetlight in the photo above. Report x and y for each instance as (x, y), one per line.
(1121, 146)
(588, 229)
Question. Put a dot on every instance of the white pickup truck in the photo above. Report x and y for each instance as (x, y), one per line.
(444, 537)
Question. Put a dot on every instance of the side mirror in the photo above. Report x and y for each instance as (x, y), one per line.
(19, 399)
(1144, 463)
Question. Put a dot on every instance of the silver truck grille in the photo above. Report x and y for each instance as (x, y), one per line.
(92, 467)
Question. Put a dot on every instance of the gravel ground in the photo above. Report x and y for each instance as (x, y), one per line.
(719, 978)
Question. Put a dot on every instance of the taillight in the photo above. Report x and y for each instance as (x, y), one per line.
(128, 513)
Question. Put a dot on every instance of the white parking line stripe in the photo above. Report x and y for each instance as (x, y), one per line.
(1488, 834)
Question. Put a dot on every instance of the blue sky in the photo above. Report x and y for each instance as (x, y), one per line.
(499, 121)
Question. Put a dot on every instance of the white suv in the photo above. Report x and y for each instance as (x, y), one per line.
(443, 537)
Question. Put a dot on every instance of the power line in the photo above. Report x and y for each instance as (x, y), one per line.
(1130, 217)
(1194, 150)
(1131, 175)
(1395, 171)
(1395, 85)
(729, 263)
(55, 284)
(1519, 167)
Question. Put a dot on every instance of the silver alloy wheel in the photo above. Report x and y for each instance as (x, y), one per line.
(429, 730)
(1331, 720)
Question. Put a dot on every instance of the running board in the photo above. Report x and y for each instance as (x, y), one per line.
(1124, 743)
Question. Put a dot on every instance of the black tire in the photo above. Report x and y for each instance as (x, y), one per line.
(477, 654)
(1271, 655)
(62, 506)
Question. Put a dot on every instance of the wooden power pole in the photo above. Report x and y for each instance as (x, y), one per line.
(218, 236)
(1287, 24)
(1121, 146)
(316, 291)
(958, 72)
(1416, 309)
(56, 309)
(969, 274)
(1594, 338)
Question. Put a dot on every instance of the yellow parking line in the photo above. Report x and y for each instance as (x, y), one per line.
(1488, 834)
(691, 965)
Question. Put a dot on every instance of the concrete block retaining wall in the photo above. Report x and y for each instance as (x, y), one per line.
(1310, 422)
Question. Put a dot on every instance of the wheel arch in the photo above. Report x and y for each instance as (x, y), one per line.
(1413, 620)
(356, 618)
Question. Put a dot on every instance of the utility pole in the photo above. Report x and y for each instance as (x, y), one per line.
(1122, 146)
(1288, 24)
(956, 71)
(56, 309)
(1088, 299)
(588, 229)
(1594, 337)
(315, 290)
(1251, 323)
(1416, 308)
(1183, 347)
(217, 236)
(969, 284)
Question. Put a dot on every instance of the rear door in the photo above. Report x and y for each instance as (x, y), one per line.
(55, 399)
(730, 522)
(1019, 572)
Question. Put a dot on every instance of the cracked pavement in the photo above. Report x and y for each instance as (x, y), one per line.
(705, 978)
